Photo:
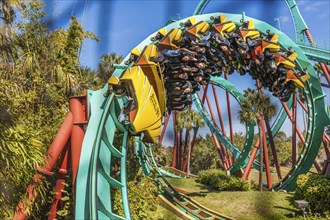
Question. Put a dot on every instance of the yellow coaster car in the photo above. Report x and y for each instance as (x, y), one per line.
(145, 115)
(135, 53)
(270, 43)
(160, 34)
(201, 27)
(247, 30)
(287, 61)
(222, 25)
(298, 82)
(152, 71)
(189, 22)
(168, 42)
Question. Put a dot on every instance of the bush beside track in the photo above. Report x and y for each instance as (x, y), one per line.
(219, 180)
(315, 189)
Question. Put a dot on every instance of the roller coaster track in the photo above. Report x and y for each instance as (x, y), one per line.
(94, 180)
(182, 202)
(316, 54)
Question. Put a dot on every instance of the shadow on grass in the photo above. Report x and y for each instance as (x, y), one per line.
(263, 205)
(198, 194)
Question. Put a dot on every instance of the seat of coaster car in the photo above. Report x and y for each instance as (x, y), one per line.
(252, 43)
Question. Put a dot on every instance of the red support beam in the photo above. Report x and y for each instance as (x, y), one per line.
(217, 141)
(29, 198)
(218, 109)
(229, 114)
(325, 136)
(325, 145)
(72, 129)
(215, 95)
(58, 144)
(220, 152)
(271, 140)
(251, 160)
(164, 128)
(180, 150)
(266, 157)
(294, 126)
(272, 145)
(326, 167)
(310, 37)
(205, 93)
(301, 136)
(56, 203)
(77, 107)
(193, 141)
(325, 72)
(52, 155)
(175, 146)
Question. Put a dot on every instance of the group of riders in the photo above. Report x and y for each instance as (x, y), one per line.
(198, 57)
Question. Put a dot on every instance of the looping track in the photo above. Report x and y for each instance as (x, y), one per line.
(94, 180)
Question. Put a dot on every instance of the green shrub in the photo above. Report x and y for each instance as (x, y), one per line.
(315, 189)
(142, 198)
(220, 181)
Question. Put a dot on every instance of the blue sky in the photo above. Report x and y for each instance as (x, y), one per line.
(123, 24)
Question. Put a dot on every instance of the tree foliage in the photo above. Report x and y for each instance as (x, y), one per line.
(315, 189)
(142, 198)
(204, 155)
(256, 105)
(39, 70)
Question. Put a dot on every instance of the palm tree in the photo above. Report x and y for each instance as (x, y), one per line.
(189, 120)
(256, 106)
(106, 65)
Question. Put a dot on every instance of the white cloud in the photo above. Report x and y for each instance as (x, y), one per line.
(284, 18)
(312, 6)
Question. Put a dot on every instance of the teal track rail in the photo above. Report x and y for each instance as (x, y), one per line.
(242, 157)
(316, 54)
(94, 180)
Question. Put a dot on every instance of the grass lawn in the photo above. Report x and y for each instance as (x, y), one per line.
(240, 205)
(163, 214)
